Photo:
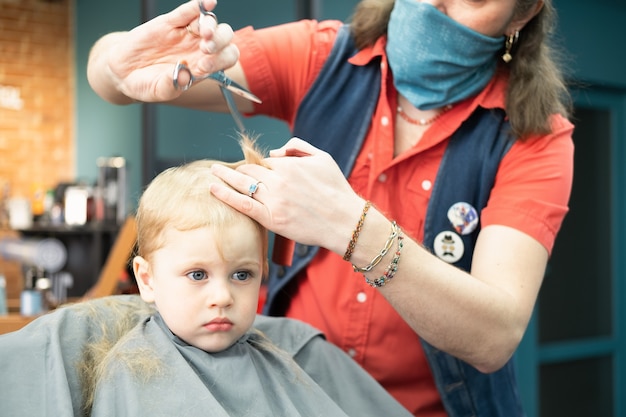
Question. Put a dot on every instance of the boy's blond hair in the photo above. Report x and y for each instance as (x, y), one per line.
(179, 197)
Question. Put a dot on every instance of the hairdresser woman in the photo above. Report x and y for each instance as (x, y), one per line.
(425, 225)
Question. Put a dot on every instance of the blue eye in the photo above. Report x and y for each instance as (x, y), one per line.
(242, 275)
(197, 275)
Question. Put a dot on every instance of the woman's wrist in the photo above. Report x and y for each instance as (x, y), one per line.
(341, 235)
(355, 233)
(395, 231)
(375, 245)
(99, 74)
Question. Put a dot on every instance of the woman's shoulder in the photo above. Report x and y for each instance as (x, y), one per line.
(552, 145)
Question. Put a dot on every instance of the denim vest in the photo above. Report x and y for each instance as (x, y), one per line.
(344, 97)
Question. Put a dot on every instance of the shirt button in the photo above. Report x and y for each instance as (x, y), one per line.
(382, 178)
(361, 297)
(351, 352)
(426, 185)
(384, 121)
(301, 250)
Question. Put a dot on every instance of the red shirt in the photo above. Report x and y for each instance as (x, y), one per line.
(280, 64)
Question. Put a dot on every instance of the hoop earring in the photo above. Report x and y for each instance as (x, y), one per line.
(508, 45)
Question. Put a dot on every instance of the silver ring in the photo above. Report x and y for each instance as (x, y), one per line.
(253, 188)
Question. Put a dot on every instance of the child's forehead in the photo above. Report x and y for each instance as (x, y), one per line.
(232, 243)
(223, 233)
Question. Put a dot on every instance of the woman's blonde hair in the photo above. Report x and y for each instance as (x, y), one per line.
(537, 87)
(179, 197)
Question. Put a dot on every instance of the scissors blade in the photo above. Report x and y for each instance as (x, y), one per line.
(233, 86)
(232, 107)
(239, 90)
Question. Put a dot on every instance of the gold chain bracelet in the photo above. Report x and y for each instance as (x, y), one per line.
(355, 233)
(391, 269)
(383, 252)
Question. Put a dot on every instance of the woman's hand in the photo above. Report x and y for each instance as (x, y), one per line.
(138, 65)
(304, 196)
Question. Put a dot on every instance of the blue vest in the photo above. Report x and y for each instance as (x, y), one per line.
(344, 97)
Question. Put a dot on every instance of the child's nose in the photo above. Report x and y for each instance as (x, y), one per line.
(220, 294)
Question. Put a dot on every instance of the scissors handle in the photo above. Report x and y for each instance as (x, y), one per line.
(181, 66)
(219, 77)
(205, 11)
(225, 83)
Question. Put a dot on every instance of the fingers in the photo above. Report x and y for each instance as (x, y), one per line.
(208, 25)
(226, 58)
(216, 42)
(295, 147)
(243, 194)
(188, 12)
(248, 184)
(214, 37)
(234, 199)
(206, 5)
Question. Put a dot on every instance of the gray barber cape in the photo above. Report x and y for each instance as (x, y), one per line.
(45, 369)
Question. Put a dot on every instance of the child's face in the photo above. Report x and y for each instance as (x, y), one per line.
(207, 300)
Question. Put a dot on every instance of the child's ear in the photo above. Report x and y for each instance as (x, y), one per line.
(143, 275)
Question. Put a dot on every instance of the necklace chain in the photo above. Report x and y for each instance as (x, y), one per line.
(422, 122)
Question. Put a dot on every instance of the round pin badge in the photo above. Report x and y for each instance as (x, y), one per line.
(464, 217)
(449, 246)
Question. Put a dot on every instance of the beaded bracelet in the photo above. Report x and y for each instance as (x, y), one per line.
(383, 252)
(391, 269)
(355, 233)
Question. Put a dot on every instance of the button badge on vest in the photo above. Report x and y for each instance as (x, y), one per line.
(464, 217)
(449, 246)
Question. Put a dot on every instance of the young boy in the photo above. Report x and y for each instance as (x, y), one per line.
(204, 350)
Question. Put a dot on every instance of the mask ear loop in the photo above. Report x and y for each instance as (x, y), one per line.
(508, 46)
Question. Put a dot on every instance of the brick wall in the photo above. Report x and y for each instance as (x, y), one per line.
(36, 100)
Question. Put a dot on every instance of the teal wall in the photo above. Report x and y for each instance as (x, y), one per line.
(592, 33)
(103, 129)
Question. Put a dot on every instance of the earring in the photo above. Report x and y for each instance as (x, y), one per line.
(508, 45)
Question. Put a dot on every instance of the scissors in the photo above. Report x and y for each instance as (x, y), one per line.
(226, 84)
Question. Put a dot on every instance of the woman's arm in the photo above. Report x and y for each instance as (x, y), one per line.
(138, 65)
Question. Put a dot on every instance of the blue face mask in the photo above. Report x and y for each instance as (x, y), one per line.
(435, 60)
